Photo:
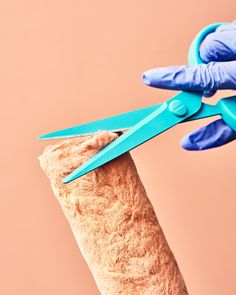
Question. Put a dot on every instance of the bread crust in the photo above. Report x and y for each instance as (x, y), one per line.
(112, 220)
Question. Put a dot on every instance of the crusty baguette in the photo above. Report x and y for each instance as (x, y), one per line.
(112, 220)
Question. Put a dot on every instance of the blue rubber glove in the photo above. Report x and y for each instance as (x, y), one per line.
(218, 51)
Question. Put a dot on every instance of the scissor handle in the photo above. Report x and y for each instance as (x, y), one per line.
(228, 110)
(193, 53)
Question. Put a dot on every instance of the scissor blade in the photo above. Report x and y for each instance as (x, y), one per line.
(116, 123)
(157, 122)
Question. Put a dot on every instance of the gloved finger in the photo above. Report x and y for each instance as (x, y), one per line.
(220, 45)
(208, 93)
(227, 26)
(204, 77)
(213, 135)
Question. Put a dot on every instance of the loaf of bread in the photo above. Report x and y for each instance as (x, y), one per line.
(112, 220)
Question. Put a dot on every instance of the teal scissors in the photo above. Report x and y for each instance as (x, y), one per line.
(143, 124)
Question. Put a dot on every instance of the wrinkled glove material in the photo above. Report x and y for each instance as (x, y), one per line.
(218, 51)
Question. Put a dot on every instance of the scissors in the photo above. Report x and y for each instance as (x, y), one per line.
(143, 124)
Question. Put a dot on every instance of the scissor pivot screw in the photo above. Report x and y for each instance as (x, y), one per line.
(177, 108)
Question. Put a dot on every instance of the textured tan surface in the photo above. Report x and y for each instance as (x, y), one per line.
(112, 220)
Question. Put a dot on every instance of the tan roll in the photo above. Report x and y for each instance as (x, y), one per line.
(112, 220)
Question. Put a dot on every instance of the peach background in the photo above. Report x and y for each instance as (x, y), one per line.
(67, 62)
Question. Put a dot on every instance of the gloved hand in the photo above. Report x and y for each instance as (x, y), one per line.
(218, 51)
